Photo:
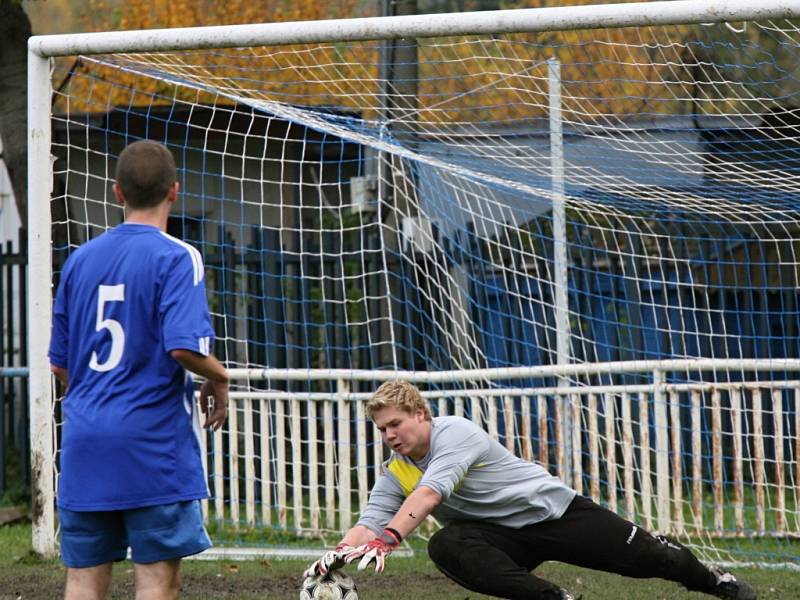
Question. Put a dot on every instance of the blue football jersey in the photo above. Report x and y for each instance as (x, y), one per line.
(130, 435)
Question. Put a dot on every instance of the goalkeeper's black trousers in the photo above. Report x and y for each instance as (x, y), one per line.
(495, 560)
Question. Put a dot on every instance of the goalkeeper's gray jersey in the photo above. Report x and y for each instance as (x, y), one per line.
(477, 478)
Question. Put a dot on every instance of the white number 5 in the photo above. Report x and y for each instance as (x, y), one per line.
(109, 293)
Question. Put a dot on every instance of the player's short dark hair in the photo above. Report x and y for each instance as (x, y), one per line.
(145, 173)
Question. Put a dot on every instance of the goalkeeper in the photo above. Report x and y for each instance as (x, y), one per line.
(502, 516)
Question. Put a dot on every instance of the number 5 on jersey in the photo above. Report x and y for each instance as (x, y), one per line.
(109, 293)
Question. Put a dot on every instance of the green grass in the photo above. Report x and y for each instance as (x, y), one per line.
(23, 575)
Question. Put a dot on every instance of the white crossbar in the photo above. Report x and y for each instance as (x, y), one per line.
(417, 26)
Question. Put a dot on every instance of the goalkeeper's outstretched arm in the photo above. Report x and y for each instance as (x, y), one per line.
(357, 536)
(411, 514)
(361, 542)
(414, 510)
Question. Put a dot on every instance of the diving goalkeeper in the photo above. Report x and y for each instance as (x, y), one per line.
(501, 516)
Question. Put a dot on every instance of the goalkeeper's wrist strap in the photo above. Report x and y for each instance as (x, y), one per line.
(391, 536)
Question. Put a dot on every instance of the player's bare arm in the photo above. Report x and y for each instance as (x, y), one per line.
(214, 391)
(416, 508)
(61, 374)
(357, 536)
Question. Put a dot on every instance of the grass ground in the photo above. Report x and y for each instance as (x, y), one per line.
(23, 576)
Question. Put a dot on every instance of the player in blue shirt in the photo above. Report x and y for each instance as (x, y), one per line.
(130, 320)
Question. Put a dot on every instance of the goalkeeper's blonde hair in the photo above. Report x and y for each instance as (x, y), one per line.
(398, 394)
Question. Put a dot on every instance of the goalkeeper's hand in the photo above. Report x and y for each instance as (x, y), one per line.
(375, 551)
(330, 561)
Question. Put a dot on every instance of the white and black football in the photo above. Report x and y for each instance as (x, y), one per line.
(332, 586)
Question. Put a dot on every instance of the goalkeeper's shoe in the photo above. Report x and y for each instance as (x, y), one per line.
(730, 588)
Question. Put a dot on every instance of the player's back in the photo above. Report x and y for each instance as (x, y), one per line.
(128, 298)
(115, 307)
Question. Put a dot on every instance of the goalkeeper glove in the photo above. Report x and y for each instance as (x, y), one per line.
(330, 561)
(375, 551)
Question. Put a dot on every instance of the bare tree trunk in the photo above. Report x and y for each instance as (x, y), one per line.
(15, 29)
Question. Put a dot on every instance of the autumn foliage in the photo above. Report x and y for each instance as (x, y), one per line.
(605, 73)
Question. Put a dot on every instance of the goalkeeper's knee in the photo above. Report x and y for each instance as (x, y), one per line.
(444, 545)
(464, 556)
(458, 554)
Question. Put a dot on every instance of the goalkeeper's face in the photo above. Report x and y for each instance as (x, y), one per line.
(406, 433)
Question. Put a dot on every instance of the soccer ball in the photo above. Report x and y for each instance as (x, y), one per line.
(332, 586)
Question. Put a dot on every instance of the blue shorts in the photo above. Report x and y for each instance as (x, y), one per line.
(153, 533)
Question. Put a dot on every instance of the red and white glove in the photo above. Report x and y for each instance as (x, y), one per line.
(375, 551)
(330, 561)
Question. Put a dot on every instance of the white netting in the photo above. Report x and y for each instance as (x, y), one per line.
(679, 235)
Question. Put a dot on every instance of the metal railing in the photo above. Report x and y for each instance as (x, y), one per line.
(14, 440)
(677, 453)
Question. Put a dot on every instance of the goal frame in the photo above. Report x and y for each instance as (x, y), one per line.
(41, 49)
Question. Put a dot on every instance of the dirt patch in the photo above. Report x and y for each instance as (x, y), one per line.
(32, 579)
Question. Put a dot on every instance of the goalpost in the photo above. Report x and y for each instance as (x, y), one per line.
(577, 226)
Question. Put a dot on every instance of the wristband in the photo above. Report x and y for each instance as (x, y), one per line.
(391, 536)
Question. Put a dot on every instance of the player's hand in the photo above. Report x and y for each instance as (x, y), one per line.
(375, 551)
(214, 403)
(330, 561)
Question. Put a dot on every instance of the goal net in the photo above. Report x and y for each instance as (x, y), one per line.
(585, 240)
